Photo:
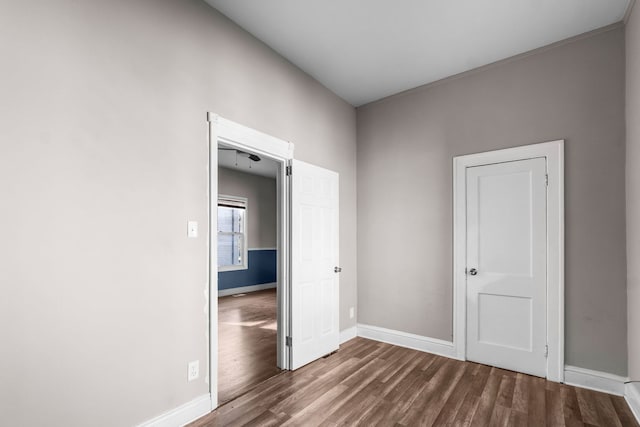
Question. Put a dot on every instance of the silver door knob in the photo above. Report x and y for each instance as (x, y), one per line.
(337, 269)
(473, 272)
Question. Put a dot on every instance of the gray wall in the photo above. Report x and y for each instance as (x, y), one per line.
(573, 91)
(103, 159)
(260, 192)
(633, 190)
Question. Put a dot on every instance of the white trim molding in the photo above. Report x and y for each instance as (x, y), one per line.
(348, 334)
(246, 289)
(632, 396)
(404, 339)
(594, 380)
(183, 414)
(243, 137)
(554, 153)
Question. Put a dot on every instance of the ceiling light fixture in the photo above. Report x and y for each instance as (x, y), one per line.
(251, 156)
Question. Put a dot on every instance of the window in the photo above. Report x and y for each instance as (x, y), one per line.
(232, 233)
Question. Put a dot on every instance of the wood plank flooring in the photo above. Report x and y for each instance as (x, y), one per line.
(370, 383)
(247, 342)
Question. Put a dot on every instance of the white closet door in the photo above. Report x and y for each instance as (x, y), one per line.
(506, 265)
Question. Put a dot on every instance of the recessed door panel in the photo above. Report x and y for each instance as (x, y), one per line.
(306, 317)
(328, 310)
(505, 321)
(305, 233)
(504, 223)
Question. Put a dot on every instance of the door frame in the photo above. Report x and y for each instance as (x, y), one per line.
(553, 151)
(235, 135)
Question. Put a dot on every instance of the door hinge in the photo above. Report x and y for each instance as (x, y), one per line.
(546, 350)
(289, 170)
(546, 178)
(288, 341)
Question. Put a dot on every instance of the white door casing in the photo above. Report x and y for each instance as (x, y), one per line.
(314, 255)
(244, 138)
(506, 265)
(553, 152)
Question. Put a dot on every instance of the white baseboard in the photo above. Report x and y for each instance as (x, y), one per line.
(246, 289)
(594, 380)
(632, 396)
(348, 334)
(183, 414)
(404, 339)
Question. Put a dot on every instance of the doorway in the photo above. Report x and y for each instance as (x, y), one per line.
(307, 206)
(509, 259)
(247, 271)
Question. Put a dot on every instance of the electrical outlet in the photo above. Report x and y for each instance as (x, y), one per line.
(194, 370)
(352, 312)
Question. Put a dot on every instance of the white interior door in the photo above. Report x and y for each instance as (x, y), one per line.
(506, 265)
(314, 256)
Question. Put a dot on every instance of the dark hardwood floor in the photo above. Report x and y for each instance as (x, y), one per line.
(247, 342)
(371, 383)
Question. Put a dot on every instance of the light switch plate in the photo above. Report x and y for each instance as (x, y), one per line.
(192, 229)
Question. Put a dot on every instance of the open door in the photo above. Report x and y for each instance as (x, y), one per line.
(314, 263)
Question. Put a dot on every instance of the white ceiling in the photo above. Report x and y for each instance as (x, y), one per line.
(364, 50)
(241, 163)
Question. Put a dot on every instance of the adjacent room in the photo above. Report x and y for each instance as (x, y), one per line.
(247, 271)
(283, 212)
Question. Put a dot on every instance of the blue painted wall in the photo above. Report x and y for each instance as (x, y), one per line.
(262, 269)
